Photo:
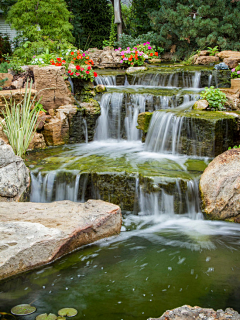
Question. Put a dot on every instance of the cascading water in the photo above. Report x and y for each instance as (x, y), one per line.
(106, 80)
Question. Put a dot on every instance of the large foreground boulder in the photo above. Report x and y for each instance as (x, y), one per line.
(33, 234)
(220, 187)
(197, 313)
(14, 175)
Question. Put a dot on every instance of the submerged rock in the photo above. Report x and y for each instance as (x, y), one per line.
(14, 175)
(197, 313)
(220, 187)
(33, 234)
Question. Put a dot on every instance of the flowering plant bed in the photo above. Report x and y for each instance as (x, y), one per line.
(137, 55)
(235, 72)
(83, 72)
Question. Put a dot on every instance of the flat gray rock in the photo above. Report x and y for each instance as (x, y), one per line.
(197, 313)
(33, 234)
(131, 70)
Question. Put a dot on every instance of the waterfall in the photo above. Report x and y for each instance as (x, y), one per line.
(106, 80)
(85, 130)
(164, 133)
(109, 123)
(178, 202)
(168, 80)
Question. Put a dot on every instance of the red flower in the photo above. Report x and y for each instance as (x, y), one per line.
(71, 74)
(156, 53)
(78, 52)
(78, 67)
(89, 68)
(72, 53)
(151, 54)
(59, 59)
(64, 61)
(95, 74)
(136, 52)
(132, 63)
(123, 56)
(87, 58)
(69, 71)
(82, 69)
(53, 63)
(77, 74)
(87, 72)
(74, 58)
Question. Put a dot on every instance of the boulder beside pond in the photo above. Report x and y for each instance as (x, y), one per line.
(220, 187)
(14, 175)
(197, 313)
(33, 234)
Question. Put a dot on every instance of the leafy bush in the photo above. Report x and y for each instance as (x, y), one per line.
(213, 51)
(215, 97)
(4, 66)
(5, 47)
(113, 35)
(235, 147)
(129, 41)
(236, 72)
(190, 25)
(20, 121)
(92, 22)
(83, 72)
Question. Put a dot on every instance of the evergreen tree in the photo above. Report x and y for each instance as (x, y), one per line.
(194, 24)
(41, 20)
(92, 22)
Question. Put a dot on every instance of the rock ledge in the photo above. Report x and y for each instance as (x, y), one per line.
(33, 234)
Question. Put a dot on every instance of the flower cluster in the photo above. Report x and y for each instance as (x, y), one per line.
(59, 62)
(83, 72)
(137, 55)
(236, 72)
(79, 57)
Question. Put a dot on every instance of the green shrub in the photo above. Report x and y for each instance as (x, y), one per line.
(213, 51)
(20, 120)
(235, 147)
(215, 97)
(4, 66)
(236, 72)
(5, 47)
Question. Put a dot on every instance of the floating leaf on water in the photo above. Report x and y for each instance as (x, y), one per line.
(23, 310)
(46, 316)
(61, 318)
(69, 312)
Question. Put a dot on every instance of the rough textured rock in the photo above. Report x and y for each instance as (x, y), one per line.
(203, 53)
(197, 313)
(16, 95)
(100, 88)
(56, 131)
(131, 70)
(233, 98)
(206, 60)
(228, 54)
(18, 84)
(220, 187)
(235, 83)
(33, 234)
(106, 58)
(2, 134)
(7, 76)
(41, 120)
(14, 176)
(232, 62)
(155, 60)
(200, 105)
(37, 142)
(56, 93)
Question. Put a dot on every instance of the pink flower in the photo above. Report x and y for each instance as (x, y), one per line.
(77, 74)
(82, 69)
(238, 72)
(147, 42)
(119, 48)
(144, 44)
(149, 48)
(121, 61)
(233, 70)
(116, 49)
(83, 54)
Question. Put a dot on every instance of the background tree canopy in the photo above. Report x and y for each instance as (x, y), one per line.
(194, 24)
(92, 21)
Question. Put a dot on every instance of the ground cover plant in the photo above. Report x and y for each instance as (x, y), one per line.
(236, 72)
(215, 97)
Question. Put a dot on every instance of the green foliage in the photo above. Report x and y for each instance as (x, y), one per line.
(215, 97)
(2, 82)
(43, 58)
(5, 5)
(141, 10)
(213, 51)
(92, 22)
(129, 41)
(113, 35)
(235, 147)
(236, 72)
(5, 47)
(193, 24)
(44, 23)
(20, 120)
(4, 66)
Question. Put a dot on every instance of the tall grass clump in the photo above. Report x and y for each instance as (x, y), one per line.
(20, 121)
